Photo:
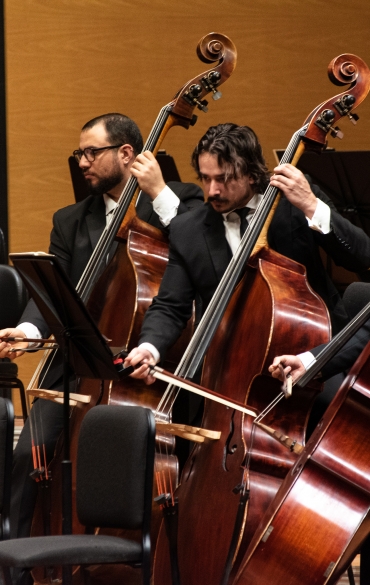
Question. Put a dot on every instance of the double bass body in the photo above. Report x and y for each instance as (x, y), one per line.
(321, 514)
(208, 494)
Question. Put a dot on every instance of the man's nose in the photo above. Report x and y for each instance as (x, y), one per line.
(214, 188)
(84, 163)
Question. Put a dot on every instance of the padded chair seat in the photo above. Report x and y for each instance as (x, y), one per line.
(75, 549)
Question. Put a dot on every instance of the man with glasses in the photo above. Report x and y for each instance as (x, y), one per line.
(108, 155)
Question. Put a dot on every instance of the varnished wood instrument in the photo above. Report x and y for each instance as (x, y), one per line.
(227, 484)
(320, 516)
(118, 295)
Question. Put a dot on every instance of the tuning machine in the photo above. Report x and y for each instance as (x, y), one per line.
(344, 106)
(191, 96)
(324, 121)
(210, 82)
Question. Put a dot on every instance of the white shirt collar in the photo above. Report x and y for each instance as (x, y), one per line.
(110, 204)
(252, 205)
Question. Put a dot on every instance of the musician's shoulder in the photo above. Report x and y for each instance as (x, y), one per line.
(192, 218)
(186, 191)
(87, 205)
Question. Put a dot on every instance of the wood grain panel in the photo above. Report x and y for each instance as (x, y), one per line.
(68, 61)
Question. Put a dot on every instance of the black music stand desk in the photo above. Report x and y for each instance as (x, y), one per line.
(85, 350)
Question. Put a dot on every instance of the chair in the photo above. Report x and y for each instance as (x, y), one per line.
(3, 250)
(355, 297)
(8, 380)
(13, 299)
(13, 296)
(6, 455)
(115, 461)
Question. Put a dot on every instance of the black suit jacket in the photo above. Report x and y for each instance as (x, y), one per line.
(346, 357)
(355, 298)
(78, 227)
(199, 255)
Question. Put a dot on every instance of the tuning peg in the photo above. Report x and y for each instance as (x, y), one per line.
(192, 95)
(214, 77)
(216, 95)
(324, 122)
(202, 105)
(353, 118)
(210, 82)
(344, 106)
(195, 90)
(327, 116)
(336, 132)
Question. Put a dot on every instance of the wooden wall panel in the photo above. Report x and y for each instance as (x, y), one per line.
(70, 60)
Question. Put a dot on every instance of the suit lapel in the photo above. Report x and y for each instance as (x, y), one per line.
(95, 220)
(218, 248)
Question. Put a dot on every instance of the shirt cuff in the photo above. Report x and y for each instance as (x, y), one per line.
(30, 331)
(165, 205)
(321, 218)
(307, 358)
(153, 350)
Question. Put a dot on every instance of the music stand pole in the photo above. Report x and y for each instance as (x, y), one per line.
(66, 463)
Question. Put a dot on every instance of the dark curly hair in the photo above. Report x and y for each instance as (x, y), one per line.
(120, 129)
(238, 150)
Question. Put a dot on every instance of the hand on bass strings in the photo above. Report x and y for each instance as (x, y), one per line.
(140, 355)
(292, 182)
(5, 346)
(287, 364)
(148, 173)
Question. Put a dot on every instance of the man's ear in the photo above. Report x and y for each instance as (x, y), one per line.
(251, 180)
(126, 153)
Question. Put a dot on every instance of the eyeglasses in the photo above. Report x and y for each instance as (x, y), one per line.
(89, 153)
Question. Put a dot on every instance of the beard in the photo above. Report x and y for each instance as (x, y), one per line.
(105, 184)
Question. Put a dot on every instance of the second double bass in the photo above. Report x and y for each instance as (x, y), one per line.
(215, 474)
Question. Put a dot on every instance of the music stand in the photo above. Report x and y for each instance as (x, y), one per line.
(84, 348)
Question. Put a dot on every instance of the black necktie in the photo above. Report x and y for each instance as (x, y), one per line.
(243, 219)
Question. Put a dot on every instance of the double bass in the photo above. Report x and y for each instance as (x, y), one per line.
(320, 516)
(117, 295)
(227, 483)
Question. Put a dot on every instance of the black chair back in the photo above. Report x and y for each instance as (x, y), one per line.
(355, 297)
(6, 455)
(13, 296)
(3, 250)
(115, 463)
(114, 452)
